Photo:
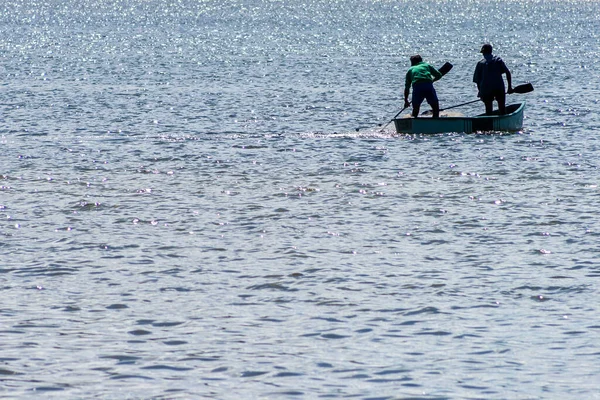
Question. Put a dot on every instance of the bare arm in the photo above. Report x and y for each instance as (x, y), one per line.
(509, 81)
(407, 83)
(437, 75)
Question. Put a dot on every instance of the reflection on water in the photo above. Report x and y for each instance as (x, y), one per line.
(198, 200)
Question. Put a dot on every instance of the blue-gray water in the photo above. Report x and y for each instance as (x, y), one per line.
(197, 202)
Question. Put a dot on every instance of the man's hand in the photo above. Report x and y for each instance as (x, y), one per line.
(406, 103)
(510, 90)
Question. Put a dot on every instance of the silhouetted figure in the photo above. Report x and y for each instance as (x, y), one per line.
(488, 77)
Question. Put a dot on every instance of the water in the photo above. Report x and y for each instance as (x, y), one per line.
(198, 201)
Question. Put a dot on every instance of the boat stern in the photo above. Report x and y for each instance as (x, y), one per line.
(403, 125)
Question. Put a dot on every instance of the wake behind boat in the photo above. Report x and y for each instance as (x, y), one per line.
(510, 122)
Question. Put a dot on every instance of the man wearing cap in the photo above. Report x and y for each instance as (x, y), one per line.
(488, 77)
(421, 77)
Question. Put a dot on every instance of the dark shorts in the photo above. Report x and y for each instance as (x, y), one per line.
(422, 91)
(497, 95)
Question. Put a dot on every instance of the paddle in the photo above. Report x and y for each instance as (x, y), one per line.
(391, 120)
(443, 70)
(521, 89)
(524, 88)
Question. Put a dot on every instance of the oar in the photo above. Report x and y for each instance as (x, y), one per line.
(447, 108)
(391, 120)
(524, 88)
(521, 89)
(443, 70)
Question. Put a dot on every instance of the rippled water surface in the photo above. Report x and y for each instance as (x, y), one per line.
(198, 200)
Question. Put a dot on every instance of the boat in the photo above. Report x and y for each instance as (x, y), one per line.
(510, 122)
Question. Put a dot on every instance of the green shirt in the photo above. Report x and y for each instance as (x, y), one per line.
(422, 72)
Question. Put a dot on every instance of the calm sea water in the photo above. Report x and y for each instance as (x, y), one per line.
(198, 201)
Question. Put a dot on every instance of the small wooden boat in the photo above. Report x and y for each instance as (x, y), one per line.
(509, 122)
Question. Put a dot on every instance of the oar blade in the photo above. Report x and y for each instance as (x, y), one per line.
(445, 68)
(524, 88)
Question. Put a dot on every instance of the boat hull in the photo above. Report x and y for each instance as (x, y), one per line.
(509, 122)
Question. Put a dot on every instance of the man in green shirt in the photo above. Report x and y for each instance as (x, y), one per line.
(421, 77)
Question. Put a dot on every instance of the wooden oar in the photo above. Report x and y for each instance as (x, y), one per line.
(521, 89)
(391, 120)
(443, 70)
(524, 88)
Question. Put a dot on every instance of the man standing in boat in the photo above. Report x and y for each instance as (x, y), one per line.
(488, 77)
(421, 77)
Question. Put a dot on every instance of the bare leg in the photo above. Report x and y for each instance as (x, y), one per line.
(501, 99)
(489, 106)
